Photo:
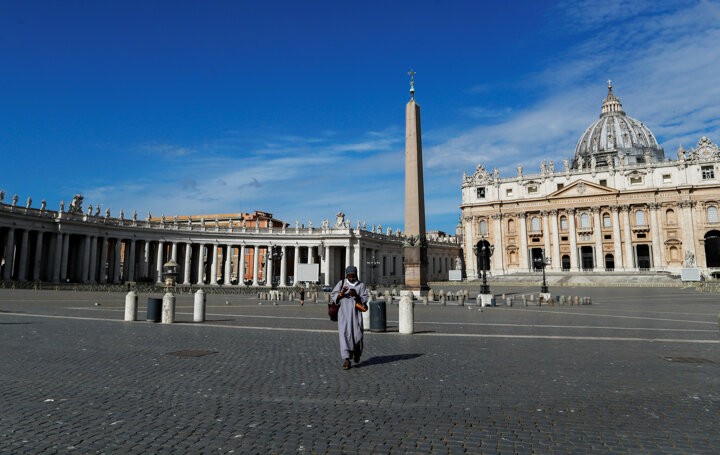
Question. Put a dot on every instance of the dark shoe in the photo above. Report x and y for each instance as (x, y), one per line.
(346, 364)
(356, 356)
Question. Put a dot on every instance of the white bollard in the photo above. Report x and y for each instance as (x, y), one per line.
(199, 310)
(131, 302)
(168, 309)
(407, 316)
(366, 318)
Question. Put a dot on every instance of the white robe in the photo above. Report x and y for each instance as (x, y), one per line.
(350, 321)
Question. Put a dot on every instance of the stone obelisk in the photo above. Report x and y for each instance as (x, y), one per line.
(415, 246)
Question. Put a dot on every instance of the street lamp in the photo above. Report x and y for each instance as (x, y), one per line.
(372, 263)
(275, 254)
(483, 250)
(541, 263)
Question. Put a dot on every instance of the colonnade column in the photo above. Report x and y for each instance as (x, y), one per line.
(201, 264)
(296, 260)
(627, 238)
(555, 257)
(57, 259)
(597, 231)
(131, 266)
(213, 264)
(10, 253)
(85, 275)
(37, 265)
(22, 269)
(116, 269)
(658, 256)
(256, 255)
(523, 242)
(241, 265)
(616, 238)
(283, 266)
(159, 260)
(228, 265)
(64, 258)
(573, 240)
(188, 263)
(326, 265)
(93, 259)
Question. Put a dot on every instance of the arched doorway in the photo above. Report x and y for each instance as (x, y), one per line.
(609, 262)
(712, 249)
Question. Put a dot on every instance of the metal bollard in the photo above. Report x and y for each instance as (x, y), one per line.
(131, 303)
(199, 306)
(168, 309)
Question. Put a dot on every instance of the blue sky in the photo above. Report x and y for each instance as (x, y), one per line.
(298, 107)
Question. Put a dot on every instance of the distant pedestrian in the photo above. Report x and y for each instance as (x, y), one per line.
(348, 293)
(302, 296)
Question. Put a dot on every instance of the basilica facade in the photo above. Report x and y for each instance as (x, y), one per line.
(617, 205)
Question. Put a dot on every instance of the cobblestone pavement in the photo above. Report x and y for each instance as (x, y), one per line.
(636, 372)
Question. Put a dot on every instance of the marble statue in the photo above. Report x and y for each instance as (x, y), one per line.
(340, 219)
(28, 203)
(689, 259)
(134, 215)
(543, 167)
(15, 200)
(122, 215)
(107, 213)
(43, 205)
(580, 162)
(89, 212)
(2, 195)
(76, 204)
(551, 167)
(458, 263)
(566, 163)
(519, 171)
(97, 210)
(62, 206)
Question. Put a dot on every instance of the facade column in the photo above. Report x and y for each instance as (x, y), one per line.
(227, 280)
(173, 251)
(498, 267)
(283, 266)
(116, 270)
(555, 262)
(599, 257)
(188, 263)
(241, 265)
(524, 267)
(658, 256)
(93, 260)
(311, 255)
(574, 265)
(131, 261)
(686, 224)
(295, 265)
(256, 265)
(22, 269)
(64, 258)
(145, 265)
(86, 261)
(546, 233)
(470, 262)
(627, 238)
(159, 260)
(213, 265)
(201, 264)
(10, 253)
(37, 264)
(57, 259)
(616, 238)
(326, 265)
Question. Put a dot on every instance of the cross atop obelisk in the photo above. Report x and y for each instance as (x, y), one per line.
(415, 250)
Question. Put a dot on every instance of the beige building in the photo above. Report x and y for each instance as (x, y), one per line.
(618, 205)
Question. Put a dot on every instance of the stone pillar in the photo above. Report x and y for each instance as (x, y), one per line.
(574, 265)
(86, 260)
(555, 262)
(546, 232)
(22, 268)
(131, 261)
(228, 265)
(498, 258)
(201, 264)
(116, 270)
(160, 260)
(617, 241)
(145, 265)
(64, 258)
(658, 256)
(406, 319)
(10, 254)
(524, 265)
(283, 266)
(326, 265)
(37, 264)
(57, 259)
(213, 265)
(597, 231)
(686, 224)
(469, 239)
(296, 260)
(187, 269)
(241, 265)
(627, 238)
(256, 255)
(92, 273)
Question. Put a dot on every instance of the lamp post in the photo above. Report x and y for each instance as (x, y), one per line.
(372, 263)
(541, 262)
(483, 250)
(275, 254)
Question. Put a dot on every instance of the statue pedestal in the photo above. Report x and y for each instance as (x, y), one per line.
(690, 274)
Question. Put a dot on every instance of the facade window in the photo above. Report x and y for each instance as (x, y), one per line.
(584, 220)
(708, 172)
(560, 186)
(481, 193)
(563, 223)
(508, 192)
(535, 224)
(635, 180)
(712, 214)
(640, 218)
(483, 227)
(606, 220)
(603, 182)
(511, 225)
(667, 178)
(532, 189)
(670, 216)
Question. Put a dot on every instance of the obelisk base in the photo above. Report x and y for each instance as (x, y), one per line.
(416, 271)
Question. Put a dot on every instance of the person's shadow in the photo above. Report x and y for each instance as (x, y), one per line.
(379, 360)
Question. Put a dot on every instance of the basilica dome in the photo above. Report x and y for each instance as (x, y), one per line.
(616, 138)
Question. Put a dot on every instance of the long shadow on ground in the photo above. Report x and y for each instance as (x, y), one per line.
(378, 360)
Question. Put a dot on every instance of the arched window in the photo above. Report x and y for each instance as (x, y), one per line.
(535, 224)
(670, 216)
(712, 214)
(584, 220)
(511, 225)
(563, 223)
(640, 218)
(483, 227)
(606, 220)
